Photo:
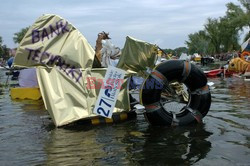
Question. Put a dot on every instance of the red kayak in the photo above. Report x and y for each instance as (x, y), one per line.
(218, 73)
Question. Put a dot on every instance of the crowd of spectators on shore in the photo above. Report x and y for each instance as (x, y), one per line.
(226, 56)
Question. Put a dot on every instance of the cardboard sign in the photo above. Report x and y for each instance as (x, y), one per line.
(108, 94)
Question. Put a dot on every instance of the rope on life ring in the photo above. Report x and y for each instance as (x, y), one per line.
(163, 75)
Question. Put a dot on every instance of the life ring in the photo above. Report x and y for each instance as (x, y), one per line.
(184, 72)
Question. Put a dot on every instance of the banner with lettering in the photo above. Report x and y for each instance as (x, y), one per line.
(67, 102)
(67, 82)
(52, 40)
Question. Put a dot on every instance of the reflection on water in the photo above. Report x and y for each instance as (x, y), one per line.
(169, 145)
(28, 137)
(128, 143)
(228, 118)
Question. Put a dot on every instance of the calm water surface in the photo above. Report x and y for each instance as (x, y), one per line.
(28, 137)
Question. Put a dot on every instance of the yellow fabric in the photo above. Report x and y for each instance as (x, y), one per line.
(137, 55)
(52, 36)
(64, 58)
(25, 93)
(67, 101)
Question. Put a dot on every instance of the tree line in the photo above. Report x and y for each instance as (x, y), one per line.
(221, 35)
(4, 50)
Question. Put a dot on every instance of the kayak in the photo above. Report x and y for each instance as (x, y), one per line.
(218, 73)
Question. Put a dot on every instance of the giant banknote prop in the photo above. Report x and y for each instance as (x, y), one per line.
(63, 57)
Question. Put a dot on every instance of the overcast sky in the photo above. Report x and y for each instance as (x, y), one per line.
(166, 23)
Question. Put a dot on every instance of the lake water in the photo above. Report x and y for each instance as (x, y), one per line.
(28, 136)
